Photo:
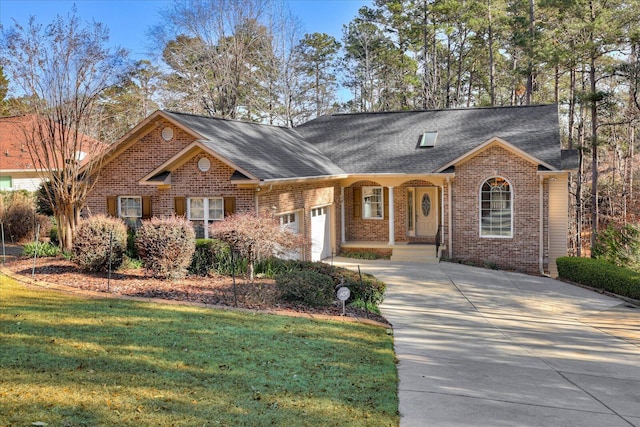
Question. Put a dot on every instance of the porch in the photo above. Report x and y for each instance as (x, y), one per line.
(400, 251)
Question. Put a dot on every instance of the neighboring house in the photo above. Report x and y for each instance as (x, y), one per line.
(17, 169)
(485, 185)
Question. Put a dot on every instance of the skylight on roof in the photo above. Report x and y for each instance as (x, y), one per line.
(428, 139)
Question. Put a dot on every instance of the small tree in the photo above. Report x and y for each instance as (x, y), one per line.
(255, 235)
(62, 69)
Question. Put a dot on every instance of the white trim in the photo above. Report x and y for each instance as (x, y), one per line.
(185, 155)
(511, 198)
(541, 225)
(120, 206)
(497, 141)
(392, 232)
(449, 219)
(205, 211)
(381, 202)
(343, 235)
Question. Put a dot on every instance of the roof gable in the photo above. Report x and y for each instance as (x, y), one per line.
(492, 143)
(386, 142)
(261, 151)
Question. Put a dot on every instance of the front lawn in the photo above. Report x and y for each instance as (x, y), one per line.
(70, 361)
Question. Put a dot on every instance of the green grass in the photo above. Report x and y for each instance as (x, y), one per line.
(70, 361)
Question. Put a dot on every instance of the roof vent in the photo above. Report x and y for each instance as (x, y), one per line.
(428, 139)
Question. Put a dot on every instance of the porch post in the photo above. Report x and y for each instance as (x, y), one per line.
(392, 235)
(342, 231)
(449, 219)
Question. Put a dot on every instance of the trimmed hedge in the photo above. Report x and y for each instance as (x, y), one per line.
(600, 274)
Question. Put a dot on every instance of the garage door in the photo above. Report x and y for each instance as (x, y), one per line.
(290, 222)
(320, 234)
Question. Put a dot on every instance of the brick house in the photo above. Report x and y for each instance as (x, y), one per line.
(482, 184)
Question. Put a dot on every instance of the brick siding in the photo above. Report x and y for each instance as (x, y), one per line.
(519, 252)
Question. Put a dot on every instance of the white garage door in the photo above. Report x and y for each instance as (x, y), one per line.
(290, 222)
(320, 234)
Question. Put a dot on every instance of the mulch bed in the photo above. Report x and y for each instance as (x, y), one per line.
(262, 294)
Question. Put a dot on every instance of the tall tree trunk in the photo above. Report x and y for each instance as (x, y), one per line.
(492, 64)
(532, 34)
(594, 152)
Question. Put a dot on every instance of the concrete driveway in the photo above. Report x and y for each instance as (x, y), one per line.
(480, 347)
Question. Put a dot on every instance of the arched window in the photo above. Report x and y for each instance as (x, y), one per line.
(496, 213)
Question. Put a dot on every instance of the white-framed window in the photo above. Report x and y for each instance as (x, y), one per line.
(202, 211)
(496, 208)
(130, 210)
(372, 203)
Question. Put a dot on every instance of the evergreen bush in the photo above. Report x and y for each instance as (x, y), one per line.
(305, 286)
(601, 274)
(209, 255)
(91, 243)
(166, 246)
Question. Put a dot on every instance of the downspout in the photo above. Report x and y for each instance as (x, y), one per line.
(449, 220)
(255, 200)
(541, 239)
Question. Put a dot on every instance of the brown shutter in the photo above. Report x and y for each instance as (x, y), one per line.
(146, 207)
(112, 206)
(357, 202)
(180, 206)
(385, 196)
(229, 206)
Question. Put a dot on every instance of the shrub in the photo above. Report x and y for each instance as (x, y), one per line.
(53, 235)
(209, 255)
(601, 274)
(19, 219)
(166, 246)
(255, 235)
(370, 289)
(91, 243)
(305, 286)
(43, 249)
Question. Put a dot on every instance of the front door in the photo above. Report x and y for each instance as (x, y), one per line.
(426, 209)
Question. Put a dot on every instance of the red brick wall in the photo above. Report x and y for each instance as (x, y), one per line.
(302, 198)
(120, 178)
(520, 252)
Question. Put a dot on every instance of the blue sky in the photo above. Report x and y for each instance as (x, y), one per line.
(129, 20)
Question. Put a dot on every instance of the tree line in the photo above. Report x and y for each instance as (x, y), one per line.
(251, 60)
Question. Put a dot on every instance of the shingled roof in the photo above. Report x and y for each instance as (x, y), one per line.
(388, 142)
(267, 152)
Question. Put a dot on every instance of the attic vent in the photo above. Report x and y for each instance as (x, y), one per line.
(428, 139)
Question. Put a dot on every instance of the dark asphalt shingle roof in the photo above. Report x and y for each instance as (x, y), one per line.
(377, 142)
(267, 152)
(387, 142)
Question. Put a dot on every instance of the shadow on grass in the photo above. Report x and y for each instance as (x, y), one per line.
(106, 362)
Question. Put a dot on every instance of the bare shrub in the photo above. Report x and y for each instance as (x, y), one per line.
(166, 246)
(19, 218)
(255, 236)
(92, 241)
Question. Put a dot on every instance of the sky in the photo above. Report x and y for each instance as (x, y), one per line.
(130, 20)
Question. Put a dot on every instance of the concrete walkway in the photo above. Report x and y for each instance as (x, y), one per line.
(480, 347)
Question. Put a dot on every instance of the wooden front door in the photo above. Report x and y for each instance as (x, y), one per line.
(426, 209)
